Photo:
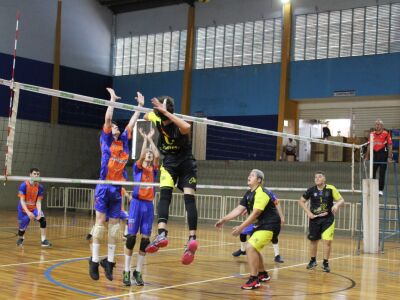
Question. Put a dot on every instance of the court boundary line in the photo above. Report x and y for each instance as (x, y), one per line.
(204, 281)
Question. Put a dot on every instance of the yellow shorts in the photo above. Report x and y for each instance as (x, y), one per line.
(260, 238)
(327, 235)
(166, 179)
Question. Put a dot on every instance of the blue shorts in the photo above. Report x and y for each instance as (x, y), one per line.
(23, 219)
(123, 215)
(108, 200)
(141, 216)
(248, 230)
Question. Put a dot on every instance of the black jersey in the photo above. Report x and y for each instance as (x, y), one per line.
(322, 200)
(260, 199)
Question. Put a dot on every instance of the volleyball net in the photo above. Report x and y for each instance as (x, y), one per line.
(226, 152)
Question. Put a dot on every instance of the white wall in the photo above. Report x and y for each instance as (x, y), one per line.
(86, 32)
(222, 12)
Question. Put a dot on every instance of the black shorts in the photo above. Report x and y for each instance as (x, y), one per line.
(321, 227)
(182, 173)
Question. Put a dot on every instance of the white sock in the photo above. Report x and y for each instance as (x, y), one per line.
(128, 259)
(111, 252)
(139, 263)
(126, 230)
(243, 246)
(276, 249)
(43, 237)
(95, 252)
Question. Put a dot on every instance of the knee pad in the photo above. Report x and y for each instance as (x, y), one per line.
(144, 242)
(274, 240)
(98, 231)
(243, 238)
(191, 210)
(130, 241)
(21, 232)
(163, 205)
(42, 222)
(113, 230)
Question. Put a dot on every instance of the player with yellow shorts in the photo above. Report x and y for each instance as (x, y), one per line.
(263, 213)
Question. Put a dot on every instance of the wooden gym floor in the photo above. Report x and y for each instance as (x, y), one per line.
(61, 272)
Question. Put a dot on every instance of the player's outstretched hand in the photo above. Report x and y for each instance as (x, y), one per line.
(151, 133)
(140, 99)
(142, 132)
(161, 107)
(113, 96)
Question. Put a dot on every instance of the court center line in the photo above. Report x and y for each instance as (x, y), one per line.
(203, 281)
(77, 258)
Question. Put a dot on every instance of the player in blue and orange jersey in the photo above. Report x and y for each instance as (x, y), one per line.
(141, 209)
(114, 156)
(30, 207)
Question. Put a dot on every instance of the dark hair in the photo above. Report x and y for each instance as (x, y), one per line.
(34, 170)
(320, 173)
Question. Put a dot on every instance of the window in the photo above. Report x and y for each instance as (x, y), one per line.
(350, 32)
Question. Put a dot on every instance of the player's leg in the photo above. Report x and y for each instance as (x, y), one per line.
(314, 236)
(275, 245)
(113, 212)
(243, 238)
(133, 228)
(187, 172)
(167, 183)
(98, 229)
(43, 225)
(254, 246)
(23, 221)
(327, 237)
(123, 216)
(146, 223)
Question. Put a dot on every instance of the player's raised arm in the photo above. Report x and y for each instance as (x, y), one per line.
(110, 109)
(140, 100)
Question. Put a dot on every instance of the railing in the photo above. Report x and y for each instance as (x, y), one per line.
(214, 207)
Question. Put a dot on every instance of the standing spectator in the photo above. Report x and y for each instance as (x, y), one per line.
(326, 131)
(382, 152)
(290, 149)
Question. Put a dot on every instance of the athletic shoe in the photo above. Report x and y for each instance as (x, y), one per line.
(326, 268)
(263, 276)
(20, 242)
(126, 278)
(380, 193)
(190, 250)
(311, 265)
(89, 237)
(46, 243)
(238, 253)
(94, 269)
(278, 259)
(108, 268)
(251, 284)
(137, 276)
(159, 242)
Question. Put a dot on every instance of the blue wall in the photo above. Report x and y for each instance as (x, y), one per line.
(33, 106)
(374, 75)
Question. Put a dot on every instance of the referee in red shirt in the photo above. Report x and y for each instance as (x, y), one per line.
(382, 152)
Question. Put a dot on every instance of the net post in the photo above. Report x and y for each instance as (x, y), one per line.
(352, 168)
(371, 155)
(370, 212)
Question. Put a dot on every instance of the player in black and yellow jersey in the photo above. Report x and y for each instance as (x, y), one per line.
(178, 168)
(325, 201)
(263, 213)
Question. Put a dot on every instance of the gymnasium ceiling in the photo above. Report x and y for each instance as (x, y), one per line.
(122, 6)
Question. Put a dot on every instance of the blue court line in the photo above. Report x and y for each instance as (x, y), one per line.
(47, 273)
